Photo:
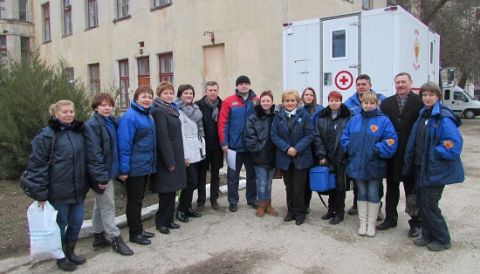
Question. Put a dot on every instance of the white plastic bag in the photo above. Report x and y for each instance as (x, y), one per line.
(45, 239)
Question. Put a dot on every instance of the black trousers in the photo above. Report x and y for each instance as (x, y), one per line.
(186, 195)
(336, 199)
(393, 196)
(295, 180)
(202, 180)
(166, 209)
(434, 227)
(136, 187)
(308, 191)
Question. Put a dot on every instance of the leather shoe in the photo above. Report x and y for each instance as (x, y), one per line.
(140, 239)
(289, 217)
(147, 234)
(163, 230)
(254, 205)
(200, 206)
(173, 225)
(191, 213)
(232, 208)
(181, 216)
(385, 225)
(328, 215)
(414, 232)
(215, 205)
(421, 242)
(336, 220)
(299, 221)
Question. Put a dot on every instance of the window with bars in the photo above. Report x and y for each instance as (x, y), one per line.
(92, 14)
(67, 17)
(124, 83)
(25, 50)
(23, 10)
(160, 3)
(70, 74)
(46, 22)
(166, 67)
(94, 73)
(122, 8)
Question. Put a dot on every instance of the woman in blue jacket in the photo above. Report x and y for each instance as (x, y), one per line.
(102, 164)
(57, 173)
(433, 157)
(136, 141)
(292, 133)
(369, 140)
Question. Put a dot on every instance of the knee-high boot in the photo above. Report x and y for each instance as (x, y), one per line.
(362, 216)
(69, 249)
(372, 218)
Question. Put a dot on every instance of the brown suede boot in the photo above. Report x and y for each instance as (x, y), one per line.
(270, 210)
(260, 208)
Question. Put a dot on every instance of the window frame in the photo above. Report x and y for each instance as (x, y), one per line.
(125, 79)
(156, 5)
(3, 10)
(95, 87)
(3, 50)
(367, 4)
(147, 66)
(93, 3)
(166, 75)
(67, 18)
(47, 30)
(25, 50)
(119, 5)
(344, 43)
(20, 12)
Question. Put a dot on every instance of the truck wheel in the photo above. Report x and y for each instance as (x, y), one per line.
(469, 114)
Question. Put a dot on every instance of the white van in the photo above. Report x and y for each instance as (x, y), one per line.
(460, 102)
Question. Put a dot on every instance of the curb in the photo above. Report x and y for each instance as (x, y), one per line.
(148, 212)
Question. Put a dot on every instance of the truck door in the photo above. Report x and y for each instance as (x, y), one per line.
(340, 55)
(434, 57)
(301, 55)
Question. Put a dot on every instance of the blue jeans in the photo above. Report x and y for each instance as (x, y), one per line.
(69, 219)
(264, 182)
(368, 191)
(233, 177)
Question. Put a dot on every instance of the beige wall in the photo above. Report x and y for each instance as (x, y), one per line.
(250, 31)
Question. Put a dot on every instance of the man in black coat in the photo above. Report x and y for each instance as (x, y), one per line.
(210, 106)
(402, 109)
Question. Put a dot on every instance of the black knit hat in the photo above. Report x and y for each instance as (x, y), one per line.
(242, 79)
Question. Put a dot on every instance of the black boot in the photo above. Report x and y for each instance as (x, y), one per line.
(69, 250)
(99, 241)
(65, 265)
(120, 247)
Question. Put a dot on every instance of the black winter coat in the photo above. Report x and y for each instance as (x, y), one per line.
(99, 151)
(169, 154)
(210, 127)
(403, 124)
(257, 137)
(322, 143)
(64, 181)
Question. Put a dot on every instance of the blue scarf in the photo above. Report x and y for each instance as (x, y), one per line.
(112, 132)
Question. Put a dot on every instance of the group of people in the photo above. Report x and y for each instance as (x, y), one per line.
(170, 143)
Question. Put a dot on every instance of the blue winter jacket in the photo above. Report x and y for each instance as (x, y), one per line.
(369, 139)
(136, 142)
(354, 104)
(314, 115)
(441, 163)
(300, 137)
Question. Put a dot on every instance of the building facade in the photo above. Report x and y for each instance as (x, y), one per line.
(16, 30)
(122, 44)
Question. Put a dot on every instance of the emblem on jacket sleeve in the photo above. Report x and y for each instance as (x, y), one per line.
(373, 128)
(390, 142)
(448, 144)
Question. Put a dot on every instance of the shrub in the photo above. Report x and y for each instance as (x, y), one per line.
(26, 92)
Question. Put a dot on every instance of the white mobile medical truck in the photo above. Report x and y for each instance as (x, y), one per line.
(329, 53)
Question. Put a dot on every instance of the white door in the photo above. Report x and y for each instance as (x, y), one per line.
(301, 59)
(434, 57)
(340, 55)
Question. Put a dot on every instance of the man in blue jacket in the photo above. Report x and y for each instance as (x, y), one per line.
(231, 123)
